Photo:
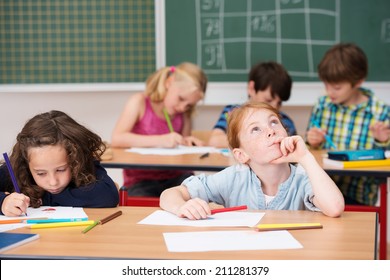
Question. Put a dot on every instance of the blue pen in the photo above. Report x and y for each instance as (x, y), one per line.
(45, 221)
(12, 174)
(327, 138)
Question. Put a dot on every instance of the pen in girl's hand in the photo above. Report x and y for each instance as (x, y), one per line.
(168, 119)
(12, 174)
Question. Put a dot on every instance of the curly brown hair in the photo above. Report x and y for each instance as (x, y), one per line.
(83, 148)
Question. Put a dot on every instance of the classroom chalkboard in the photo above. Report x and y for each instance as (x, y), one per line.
(76, 41)
(226, 37)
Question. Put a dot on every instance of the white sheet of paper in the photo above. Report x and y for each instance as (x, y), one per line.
(50, 212)
(180, 150)
(204, 241)
(225, 219)
(7, 227)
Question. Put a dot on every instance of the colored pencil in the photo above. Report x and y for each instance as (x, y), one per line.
(88, 228)
(327, 138)
(16, 221)
(205, 155)
(168, 119)
(236, 208)
(111, 217)
(11, 173)
(63, 224)
(102, 221)
(266, 227)
(61, 220)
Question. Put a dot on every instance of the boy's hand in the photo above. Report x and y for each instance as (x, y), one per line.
(380, 131)
(315, 137)
(194, 209)
(15, 204)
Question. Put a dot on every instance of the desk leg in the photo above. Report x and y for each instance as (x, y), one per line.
(383, 221)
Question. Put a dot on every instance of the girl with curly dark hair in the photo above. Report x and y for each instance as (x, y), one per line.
(56, 163)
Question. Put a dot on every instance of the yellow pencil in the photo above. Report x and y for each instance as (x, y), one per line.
(263, 227)
(62, 224)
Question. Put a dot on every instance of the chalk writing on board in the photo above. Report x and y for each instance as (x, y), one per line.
(386, 30)
(230, 40)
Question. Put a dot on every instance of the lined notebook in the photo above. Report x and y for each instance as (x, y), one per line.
(9, 240)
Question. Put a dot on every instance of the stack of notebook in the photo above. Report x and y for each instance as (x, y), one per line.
(357, 158)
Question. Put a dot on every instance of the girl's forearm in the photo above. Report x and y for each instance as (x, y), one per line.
(327, 195)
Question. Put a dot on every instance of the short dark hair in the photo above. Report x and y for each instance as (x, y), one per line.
(274, 75)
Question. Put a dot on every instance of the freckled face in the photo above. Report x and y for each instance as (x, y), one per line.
(49, 168)
(261, 134)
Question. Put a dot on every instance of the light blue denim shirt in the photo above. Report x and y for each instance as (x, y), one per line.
(239, 185)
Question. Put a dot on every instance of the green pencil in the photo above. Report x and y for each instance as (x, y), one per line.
(168, 120)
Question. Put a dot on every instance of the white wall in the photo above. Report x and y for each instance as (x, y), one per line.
(98, 107)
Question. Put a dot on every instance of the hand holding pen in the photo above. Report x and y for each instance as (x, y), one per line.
(197, 209)
(316, 136)
(15, 204)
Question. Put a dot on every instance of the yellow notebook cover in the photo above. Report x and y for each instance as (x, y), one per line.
(356, 163)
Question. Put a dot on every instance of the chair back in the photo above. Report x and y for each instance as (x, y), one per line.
(146, 201)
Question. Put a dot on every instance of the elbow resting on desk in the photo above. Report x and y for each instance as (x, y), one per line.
(335, 210)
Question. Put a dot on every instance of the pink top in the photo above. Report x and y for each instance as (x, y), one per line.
(151, 124)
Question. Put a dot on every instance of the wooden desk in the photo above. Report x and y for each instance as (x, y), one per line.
(217, 162)
(352, 236)
(123, 159)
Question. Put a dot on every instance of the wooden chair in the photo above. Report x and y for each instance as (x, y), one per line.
(126, 200)
(382, 217)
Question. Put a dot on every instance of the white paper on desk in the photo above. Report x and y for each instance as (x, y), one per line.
(204, 241)
(225, 219)
(7, 227)
(51, 212)
(180, 150)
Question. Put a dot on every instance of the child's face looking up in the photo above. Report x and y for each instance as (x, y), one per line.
(49, 168)
(260, 135)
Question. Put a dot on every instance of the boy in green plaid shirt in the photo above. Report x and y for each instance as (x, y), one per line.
(350, 115)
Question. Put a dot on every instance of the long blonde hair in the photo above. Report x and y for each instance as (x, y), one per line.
(186, 71)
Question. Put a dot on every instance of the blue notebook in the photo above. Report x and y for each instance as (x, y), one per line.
(9, 240)
(351, 155)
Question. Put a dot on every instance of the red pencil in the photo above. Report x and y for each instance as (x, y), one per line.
(236, 208)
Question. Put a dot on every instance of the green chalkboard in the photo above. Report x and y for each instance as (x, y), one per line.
(226, 37)
(76, 41)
